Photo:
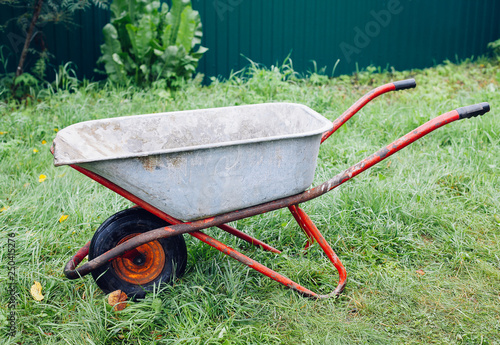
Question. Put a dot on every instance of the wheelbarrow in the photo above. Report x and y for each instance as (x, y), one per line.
(191, 170)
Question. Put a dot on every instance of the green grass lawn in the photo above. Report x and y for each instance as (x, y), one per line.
(419, 233)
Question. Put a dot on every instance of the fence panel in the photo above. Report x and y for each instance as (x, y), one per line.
(400, 33)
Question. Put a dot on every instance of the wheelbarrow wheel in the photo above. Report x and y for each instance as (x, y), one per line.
(136, 272)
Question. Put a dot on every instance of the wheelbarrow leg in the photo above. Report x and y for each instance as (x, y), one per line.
(310, 238)
(312, 231)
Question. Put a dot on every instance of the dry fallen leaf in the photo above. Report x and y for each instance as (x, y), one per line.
(420, 272)
(116, 299)
(36, 291)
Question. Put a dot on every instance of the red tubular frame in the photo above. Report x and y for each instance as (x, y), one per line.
(292, 202)
(353, 109)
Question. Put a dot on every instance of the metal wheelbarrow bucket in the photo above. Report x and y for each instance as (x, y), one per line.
(191, 170)
(200, 163)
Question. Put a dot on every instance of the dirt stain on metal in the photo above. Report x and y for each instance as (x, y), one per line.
(175, 161)
(149, 163)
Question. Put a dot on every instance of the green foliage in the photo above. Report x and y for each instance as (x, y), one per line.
(495, 48)
(65, 78)
(33, 85)
(23, 86)
(145, 42)
(18, 88)
(41, 64)
(35, 14)
(53, 11)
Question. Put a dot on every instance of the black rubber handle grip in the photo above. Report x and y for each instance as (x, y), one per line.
(405, 84)
(473, 110)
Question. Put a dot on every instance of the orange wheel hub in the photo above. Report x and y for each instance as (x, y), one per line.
(150, 267)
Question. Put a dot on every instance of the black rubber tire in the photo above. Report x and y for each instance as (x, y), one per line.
(122, 224)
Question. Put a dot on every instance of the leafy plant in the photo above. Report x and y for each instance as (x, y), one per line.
(65, 78)
(30, 85)
(34, 16)
(145, 42)
(37, 13)
(495, 48)
(20, 88)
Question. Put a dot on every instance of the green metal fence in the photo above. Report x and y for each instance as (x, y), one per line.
(400, 33)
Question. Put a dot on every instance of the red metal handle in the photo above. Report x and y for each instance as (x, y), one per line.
(353, 109)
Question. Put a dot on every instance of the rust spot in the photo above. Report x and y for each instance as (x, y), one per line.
(383, 152)
(149, 163)
(168, 229)
(141, 273)
(175, 161)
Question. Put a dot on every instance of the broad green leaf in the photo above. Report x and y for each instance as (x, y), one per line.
(145, 70)
(26, 79)
(173, 19)
(132, 36)
(156, 45)
(145, 35)
(187, 28)
(110, 47)
(165, 37)
(119, 8)
(170, 53)
(141, 37)
(111, 42)
(130, 64)
(164, 9)
(116, 58)
(151, 7)
(199, 53)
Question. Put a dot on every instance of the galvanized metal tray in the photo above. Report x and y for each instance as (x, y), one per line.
(200, 163)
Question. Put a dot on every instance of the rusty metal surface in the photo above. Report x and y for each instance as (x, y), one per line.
(140, 273)
(196, 164)
(248, 238)
(75, 261)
